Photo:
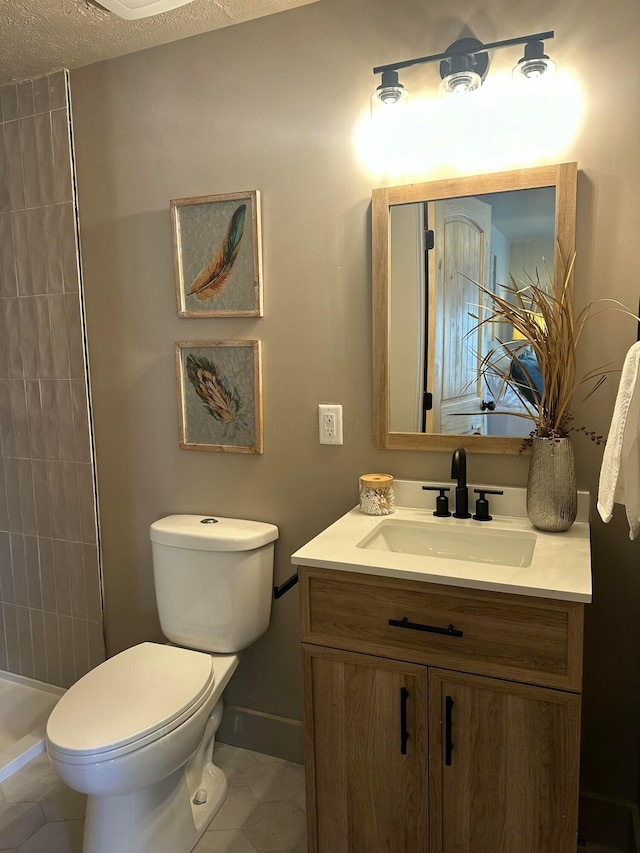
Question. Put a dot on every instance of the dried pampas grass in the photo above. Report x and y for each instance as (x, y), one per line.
(542, 313)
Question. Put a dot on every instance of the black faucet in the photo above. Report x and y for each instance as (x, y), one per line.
(459, 473)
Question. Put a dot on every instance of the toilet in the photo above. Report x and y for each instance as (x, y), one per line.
(136, 734)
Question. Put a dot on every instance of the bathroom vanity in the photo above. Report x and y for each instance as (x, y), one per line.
(442, 688)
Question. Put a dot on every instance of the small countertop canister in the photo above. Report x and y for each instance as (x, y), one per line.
(376, 494)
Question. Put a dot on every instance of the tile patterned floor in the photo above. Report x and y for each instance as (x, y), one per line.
(264, 811)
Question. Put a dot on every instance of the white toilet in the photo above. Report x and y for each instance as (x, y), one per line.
(136, 734)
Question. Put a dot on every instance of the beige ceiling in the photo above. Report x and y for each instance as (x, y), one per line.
(39, 36)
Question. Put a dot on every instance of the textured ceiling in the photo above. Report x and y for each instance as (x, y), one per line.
(39, 36)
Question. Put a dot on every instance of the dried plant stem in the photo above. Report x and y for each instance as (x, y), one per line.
(543, 316)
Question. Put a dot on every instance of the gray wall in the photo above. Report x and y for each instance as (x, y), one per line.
(50, 605)
(273, 105)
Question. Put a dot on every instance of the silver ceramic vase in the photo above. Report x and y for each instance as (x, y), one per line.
(552, 499)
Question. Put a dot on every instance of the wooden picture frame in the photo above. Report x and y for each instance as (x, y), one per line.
(219, 386)
(562, 177)
(217, 255)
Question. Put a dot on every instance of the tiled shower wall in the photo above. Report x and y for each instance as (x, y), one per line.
(50, 599)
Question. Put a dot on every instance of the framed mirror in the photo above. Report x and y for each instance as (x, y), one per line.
(433, 243)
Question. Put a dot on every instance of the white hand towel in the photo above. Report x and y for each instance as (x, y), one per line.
(620, 471)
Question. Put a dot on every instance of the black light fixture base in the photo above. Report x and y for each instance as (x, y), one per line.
(478, 47)
(466, 55)
(466, 58)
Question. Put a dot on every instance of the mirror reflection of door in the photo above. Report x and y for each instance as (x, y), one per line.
(532, 215)
(458, 262)
(407, 308)
(434, 386)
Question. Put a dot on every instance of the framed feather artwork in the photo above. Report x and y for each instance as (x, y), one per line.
(217, 255)
(219, 396)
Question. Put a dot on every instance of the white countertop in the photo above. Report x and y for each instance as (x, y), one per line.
(560, 567)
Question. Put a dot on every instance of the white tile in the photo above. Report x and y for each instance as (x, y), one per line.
(31, 783)
(224, 841)
(300, 799)
(274, 781)
(60, 837)
(64, 804)
(274, 827)
(19, 821)
(238, 806)
(47, 817)
(237, 762)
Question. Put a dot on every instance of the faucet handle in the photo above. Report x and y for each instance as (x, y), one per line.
(442, 501)
(482, 504)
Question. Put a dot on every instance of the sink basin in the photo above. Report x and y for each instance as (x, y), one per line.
(449, 542)
(506, 555)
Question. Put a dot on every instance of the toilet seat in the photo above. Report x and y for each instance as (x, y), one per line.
(128, 701)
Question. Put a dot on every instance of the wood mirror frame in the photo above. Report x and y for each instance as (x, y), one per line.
(561, 176)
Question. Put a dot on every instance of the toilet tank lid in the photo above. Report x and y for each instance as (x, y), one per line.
(212, 533)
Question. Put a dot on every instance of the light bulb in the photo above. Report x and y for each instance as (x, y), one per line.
(535, 63)
(461, 81)
(390, 91)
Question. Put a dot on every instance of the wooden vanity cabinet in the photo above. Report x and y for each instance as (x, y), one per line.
(460, 740)
(369, 780)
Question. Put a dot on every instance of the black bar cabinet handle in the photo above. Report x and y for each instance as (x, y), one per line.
(448, 742)
(279, 591)
(404, 734)
(417, 626)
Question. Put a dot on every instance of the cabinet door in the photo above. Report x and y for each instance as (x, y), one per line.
(365, 753)
(503, 767)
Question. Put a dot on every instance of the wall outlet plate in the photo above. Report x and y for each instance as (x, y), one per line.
(330, 423)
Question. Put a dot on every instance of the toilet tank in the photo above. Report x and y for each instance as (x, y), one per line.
(213, 579)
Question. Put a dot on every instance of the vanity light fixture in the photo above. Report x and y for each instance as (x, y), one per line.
(390, 90)
(535, 62)
(464, 66)
(464, 71)
(389, 98)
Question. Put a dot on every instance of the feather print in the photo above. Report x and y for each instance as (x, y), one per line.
(221, 399)
(215, 276)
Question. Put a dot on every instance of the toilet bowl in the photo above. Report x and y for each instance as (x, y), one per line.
(125, 738)
(136, 734)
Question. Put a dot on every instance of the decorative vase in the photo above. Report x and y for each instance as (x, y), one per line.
(552, 499)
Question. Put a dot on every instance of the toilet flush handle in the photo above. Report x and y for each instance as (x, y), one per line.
(279, 591)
